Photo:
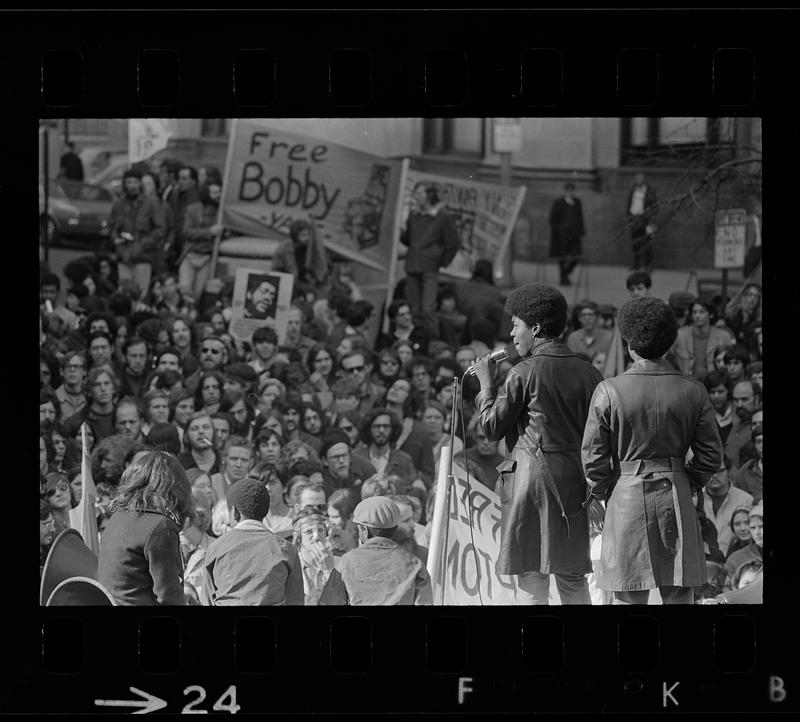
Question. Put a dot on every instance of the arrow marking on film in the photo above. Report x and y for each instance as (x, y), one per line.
(150, 703)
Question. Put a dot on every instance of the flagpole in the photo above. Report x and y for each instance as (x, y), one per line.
(225, 180)
(395, 243)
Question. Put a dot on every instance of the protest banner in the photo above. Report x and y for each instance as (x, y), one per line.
(273, 177)
(467, 575)
(260, 299)
(147, 136)
(730, 229)
(485, 215)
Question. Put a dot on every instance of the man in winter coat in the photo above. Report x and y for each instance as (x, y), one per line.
(566, 232)
(640, 427)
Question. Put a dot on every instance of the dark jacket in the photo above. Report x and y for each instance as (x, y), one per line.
(378, 573)
(418, 445)
(400, 462)
(251, 566)
(566, 228)
(641, 425)
(432, 241)
(142, 218)
(541, 410)
(140, 559)
(197, 222)
(102, 425)
(360, 470)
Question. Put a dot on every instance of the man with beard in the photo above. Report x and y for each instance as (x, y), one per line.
(213, 357)
(137, 228)
(200, 228)
(198, 442)
(343, 470)
(380, 431)
(719, 391)
(100, 387)
(128, 418)
(745, 403)
(237, 460)
(413, 439)
(70, 394)
(294, 332)
(721, 500)
(355, 364)
(132, 375)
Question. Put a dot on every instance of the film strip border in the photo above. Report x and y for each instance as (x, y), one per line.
(445, 660)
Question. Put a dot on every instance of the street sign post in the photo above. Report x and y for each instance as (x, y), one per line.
(729, 240)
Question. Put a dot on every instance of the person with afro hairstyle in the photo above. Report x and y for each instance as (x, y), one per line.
(249, 565)
(641, 425)
(541, 410)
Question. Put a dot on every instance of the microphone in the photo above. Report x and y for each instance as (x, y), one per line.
(496, 356)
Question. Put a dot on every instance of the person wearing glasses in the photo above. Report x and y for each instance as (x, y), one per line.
(380, 430)
(403, 328)
(355, 364)
(70, 394)
(590, 339)
(312, 540)
(58, 494)
(721, 499)
(213, 357)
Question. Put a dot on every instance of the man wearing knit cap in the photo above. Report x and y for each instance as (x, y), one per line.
(240, 377)
(249, 565)
(378, 572)
(344, 469)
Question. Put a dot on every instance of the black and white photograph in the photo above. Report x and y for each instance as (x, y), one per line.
(401, 361)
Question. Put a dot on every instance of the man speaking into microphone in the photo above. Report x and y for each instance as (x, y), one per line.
(541, 410)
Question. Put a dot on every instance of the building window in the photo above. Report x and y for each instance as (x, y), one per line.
(87, 126)
(667, 141)
(454, 136)
(214, 127)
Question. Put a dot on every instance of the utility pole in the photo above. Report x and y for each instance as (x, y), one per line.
(506, 139)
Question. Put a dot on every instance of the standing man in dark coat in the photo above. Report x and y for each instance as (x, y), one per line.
(71, 163)
(641, 208)
(641, 425)
(566, 232)
(432, 239)
(541, 410)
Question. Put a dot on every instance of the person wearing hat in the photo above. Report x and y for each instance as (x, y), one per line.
(753, 553)
(314, 547)
(641, 425)
(540, 411)
(240, 377)
(137, 227)
(378, 572)
(249, 565)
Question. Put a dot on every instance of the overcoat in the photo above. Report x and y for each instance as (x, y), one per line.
(566, 228)
(640, 427)
(541, 411)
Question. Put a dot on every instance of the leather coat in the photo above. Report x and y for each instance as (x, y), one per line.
(541, 411)
(641, 425)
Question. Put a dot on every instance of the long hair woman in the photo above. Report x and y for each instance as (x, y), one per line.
(140, 557)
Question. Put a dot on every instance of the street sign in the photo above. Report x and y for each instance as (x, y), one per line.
(507, 135)
(729, 238)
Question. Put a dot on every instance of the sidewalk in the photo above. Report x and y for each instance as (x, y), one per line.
(606, 284)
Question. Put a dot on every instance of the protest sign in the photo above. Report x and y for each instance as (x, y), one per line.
(274, 177)
(260, 299)
(468, 570)
(730, 230)
(484, 213)
(147, 136)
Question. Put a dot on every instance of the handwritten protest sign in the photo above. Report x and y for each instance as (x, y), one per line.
(147, 136)
(469, 575)
(274, 177)
(485, 215)
(730, 229)
(260, 299)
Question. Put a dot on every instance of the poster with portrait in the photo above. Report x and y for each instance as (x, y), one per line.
(260, 298)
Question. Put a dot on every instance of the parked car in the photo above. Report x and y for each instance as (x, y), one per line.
(77, 212)
(110, 176)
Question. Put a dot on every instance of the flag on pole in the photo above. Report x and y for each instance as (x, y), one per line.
(83, 518)
(147, 136)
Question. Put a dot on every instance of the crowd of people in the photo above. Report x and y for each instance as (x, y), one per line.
(316, 454)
